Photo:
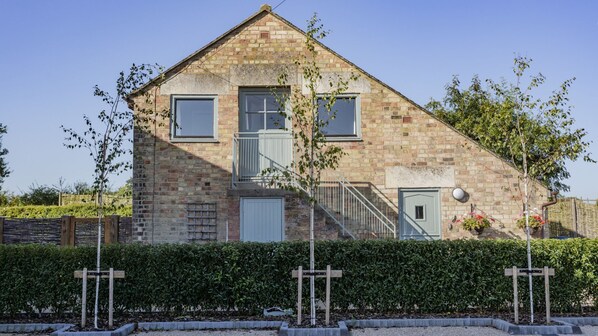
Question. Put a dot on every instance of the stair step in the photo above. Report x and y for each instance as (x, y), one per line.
(356, 217)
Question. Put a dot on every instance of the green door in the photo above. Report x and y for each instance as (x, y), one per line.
(420, 214)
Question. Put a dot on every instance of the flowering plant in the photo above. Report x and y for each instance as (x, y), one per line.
(535, 221)
(475, 221)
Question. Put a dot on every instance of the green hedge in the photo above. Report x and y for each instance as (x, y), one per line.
(55, 211)
(379, 276)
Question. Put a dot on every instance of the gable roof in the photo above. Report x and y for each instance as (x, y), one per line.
(267, 10)
(264, 10)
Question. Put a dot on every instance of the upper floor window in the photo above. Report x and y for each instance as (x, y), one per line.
(194, 118)
(260, 110)
(344, 118)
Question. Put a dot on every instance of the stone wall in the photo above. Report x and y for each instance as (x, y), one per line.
(402, 146)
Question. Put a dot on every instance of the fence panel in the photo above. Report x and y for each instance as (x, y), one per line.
(25, 230)
(86, 231)
(573, 217)
(58, 231)
(125, 230)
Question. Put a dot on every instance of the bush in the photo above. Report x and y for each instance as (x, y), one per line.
(40, 195)
(55, 211)
(378, 276)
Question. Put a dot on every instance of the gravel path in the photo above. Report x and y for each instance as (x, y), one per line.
(590, 331)
(210, 333)
(436, 331)
(447, 331)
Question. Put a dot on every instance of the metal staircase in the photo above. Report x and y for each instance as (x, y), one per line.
(356, 215)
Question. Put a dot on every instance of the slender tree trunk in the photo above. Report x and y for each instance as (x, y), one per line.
(312, 258)
(527, 228)
(529, 249)
(312, 285)
(100, 216)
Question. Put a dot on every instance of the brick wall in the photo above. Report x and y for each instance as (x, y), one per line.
(398, 138)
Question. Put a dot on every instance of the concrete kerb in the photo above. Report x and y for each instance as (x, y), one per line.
(32, 327)
(198, 325)
(513, 329)
(577, 321)
(341, 330)
(122, 331)
(568, 325)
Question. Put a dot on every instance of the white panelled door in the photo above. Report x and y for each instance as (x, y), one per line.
(262, 219)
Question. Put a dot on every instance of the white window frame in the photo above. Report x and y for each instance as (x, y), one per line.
(174, 138)
(357, 136)
(244, 92)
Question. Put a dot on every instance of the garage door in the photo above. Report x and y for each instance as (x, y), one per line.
(262, 219)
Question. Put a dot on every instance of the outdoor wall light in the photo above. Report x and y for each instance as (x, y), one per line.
(460, 195)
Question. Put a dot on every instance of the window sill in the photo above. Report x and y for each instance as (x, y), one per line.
(193, 140)
(344, 139)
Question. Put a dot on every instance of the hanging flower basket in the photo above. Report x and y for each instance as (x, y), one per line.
(535, 223)
(475, 222)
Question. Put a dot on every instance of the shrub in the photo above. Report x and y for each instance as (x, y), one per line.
(55, 211)
(378, 276)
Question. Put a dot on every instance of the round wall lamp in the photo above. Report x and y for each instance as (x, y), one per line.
(460, 195)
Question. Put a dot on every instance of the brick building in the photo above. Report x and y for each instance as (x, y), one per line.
(197, 175)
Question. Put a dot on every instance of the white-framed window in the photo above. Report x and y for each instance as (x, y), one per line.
(194, 118)
(260, 110)
(344, 118)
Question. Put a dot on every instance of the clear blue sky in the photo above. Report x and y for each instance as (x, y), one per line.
(54, 52)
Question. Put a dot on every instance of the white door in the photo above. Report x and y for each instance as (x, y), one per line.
(262, 219)
(263, 140)
(420, 214)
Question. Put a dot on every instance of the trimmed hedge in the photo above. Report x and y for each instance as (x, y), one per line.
(55, 211)
(379, 276)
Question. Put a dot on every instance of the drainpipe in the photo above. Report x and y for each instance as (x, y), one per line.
(545, 211)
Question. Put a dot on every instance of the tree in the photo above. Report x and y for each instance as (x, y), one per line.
(40, 195)
(82, 188)
(127, 189)
(535, 135)
(4, 171)
(313, 154)
(108, 143)
(488, 114)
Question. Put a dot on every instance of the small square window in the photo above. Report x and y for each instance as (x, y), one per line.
(343, 119)
(420, 212)
(194, 118)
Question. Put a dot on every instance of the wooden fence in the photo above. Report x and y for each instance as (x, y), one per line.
(65, 231)
(573, 217)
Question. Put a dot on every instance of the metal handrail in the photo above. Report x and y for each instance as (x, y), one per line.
(351, 210)
(249, 158)
(356, 213)
(389, 224)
